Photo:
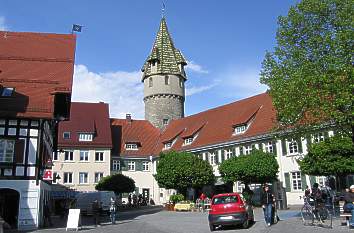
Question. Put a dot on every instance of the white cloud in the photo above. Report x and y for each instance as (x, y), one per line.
(3, 26)
(122, 90)
(194, 90)
(241, 82)
(194, 67)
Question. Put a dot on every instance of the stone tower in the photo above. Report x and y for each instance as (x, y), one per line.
(163, 78)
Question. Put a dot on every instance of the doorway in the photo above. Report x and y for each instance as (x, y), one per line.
(9, 203)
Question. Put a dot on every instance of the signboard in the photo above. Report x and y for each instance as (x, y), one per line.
(73, 219)
(48, 174)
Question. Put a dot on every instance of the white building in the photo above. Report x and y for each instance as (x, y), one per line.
(35, 91)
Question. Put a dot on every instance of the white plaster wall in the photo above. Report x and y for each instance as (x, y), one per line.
(76, 166)
(28, 214)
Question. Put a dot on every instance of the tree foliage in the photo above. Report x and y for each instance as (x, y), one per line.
(334, 156)
(182, 170)
(257, 167)
(310, 72)
(117, 183)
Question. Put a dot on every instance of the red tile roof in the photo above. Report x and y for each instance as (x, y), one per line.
(141, 132)
(217, 125)
(37, 65)
(86, 118)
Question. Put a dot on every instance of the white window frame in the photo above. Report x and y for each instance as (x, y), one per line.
(55, 181)
(131, 146)
(212, 158)
(55, 156)
(146, 166)
(188, 141)
(318, 137)
(296, 182)
(131, 166)
(115, 165)
(165, 121)
(85, 178)
(98, 176)
(269, 147)
(100, 156)
(292, 147)
(68, 175)
(70, 155)
(247, 149)
(7, 150)
(321, 180)
(240, 129)
(86, 156)
(228, 153)
(85, 137)
(167, 145)
(239, 186)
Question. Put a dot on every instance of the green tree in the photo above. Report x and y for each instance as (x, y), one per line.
(310, 72)
(334, 156)
(182, 170)
(256, 167)
(117, 183)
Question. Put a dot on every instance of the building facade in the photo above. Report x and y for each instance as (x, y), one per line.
(35, 92)
(164, 78)
(84, 144)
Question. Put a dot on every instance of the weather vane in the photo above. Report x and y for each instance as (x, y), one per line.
(163, 9)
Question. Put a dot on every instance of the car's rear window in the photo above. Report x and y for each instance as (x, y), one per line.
(225, 200)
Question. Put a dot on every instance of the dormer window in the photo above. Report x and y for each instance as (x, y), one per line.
(165, 121)
(66, 135)
(85, 137)
(7, 91)
(188, 141)
(167, 145)
(131, 146)
(240, 129)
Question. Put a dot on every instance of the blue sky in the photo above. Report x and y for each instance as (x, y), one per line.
(224, 42)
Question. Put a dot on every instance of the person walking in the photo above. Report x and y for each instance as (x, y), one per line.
(113, 209)
(96, 212)
(267, 201)
(349, 203)
(202, 201)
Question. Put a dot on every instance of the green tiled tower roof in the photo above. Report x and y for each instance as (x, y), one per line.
(166, 57)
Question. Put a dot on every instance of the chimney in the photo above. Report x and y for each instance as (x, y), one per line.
(128, 116)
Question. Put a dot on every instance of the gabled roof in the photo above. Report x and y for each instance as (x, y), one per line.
(90, 118)
(165, 54)
(141, 132)
(217, 125)
(37, 65)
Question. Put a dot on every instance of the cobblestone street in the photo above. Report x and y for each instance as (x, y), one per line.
(156, 221)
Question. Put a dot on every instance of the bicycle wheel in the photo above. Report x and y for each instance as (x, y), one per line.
(307, 215)
(325, 217)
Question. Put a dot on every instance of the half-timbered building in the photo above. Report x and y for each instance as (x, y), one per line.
(36, 71)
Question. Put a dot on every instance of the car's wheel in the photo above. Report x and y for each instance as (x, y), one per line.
(211, 227)
(246, 223)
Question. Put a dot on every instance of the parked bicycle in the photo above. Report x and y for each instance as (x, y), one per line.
(314, 210)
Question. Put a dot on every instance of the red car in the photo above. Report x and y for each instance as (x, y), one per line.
(229, 209)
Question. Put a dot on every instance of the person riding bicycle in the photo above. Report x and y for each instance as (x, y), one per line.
(317, 196)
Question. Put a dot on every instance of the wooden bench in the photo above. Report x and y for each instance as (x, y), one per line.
(343, 215)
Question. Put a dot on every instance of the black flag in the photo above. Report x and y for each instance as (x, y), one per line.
(76, 28)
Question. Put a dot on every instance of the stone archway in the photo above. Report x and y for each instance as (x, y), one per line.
(9, 205)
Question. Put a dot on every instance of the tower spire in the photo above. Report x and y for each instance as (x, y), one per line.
(164, 78)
